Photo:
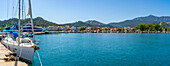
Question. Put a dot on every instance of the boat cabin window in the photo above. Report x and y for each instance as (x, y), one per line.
(25, 41)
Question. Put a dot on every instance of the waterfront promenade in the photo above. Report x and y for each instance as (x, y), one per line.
(3, 52)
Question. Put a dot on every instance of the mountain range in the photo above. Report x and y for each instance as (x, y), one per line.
(165, 20)
(90, 23)
(39, 21)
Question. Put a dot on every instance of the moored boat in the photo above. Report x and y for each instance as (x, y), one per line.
(23, 46)
(25, 49)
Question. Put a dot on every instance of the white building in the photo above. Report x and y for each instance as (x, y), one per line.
(67, 27)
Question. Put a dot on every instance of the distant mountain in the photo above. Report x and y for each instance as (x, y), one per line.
(145, 20)
(37, 22)
(78, 24)
(132, 23)
(42, 22)
(154, 18)
(94, 22)
(89, 23)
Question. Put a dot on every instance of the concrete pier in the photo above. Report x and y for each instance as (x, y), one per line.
(3, 52)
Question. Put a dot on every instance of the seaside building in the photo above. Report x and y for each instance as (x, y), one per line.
(77, 28)
(125, 30)
(60, 28)
(111, 30)
(96, 29)
(73, 29)
(52, 28)
(102, 30)
(91, 29)
(115, 30)
(88, 29)
(66, 27)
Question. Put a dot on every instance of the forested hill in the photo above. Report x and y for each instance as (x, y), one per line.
(42, 22)
(89, 23)
(37, 22)
(165, 20)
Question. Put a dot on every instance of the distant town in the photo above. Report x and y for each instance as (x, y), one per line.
(147, 24)
(141, 28)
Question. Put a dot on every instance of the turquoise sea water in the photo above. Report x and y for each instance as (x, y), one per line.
(104, 49)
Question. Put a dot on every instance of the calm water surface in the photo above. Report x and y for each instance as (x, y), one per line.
(104, 49)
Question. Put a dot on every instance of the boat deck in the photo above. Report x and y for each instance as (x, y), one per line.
(3, 52)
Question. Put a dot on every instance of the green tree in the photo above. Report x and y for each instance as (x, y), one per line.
(160, 29)
(137, 27)
(1, 28)
(151, 29)
(157, 26)
(119, 29)
(106, 29)
(168, 29)
(100, 30)
(148, 27)
(142, 27)
(82, 28)
(134, 30)
(164, 26)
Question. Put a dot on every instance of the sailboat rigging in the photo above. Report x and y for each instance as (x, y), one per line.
(30, 13)
(23, 46)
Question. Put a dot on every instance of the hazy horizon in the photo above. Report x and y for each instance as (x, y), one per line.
(105, 11)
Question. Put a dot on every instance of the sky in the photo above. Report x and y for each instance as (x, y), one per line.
(105, 11)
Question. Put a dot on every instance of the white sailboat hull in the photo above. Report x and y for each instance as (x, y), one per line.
(24, 47)
(27, 53)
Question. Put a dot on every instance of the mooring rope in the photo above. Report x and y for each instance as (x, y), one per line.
(39, 58)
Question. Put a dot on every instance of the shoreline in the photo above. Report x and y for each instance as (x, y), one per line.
(55, 32)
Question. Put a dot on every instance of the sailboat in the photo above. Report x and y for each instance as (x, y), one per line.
(23, 46)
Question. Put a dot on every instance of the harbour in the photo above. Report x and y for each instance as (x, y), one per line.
(84, 33)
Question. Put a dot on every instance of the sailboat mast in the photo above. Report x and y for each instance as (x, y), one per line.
(19, 24)
(22, 8)
(30, 11)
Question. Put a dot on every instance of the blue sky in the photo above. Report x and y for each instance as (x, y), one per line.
(106, 11)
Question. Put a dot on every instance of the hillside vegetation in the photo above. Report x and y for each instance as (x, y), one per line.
(165, 20)
(37, 22)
